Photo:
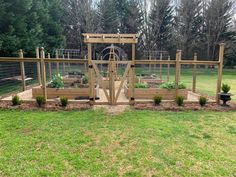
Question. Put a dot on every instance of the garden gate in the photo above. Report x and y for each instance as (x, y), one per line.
(94, 73)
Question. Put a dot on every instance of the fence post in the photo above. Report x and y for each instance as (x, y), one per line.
(22, 70)
(161, 66)
(64, 65)
(168, 70)
(50, 67)
(131, 85)
(177, 70)
(58, 65)
(220, 70)
(91, 79)
(38, 67)
(194, 74)
(43, 71)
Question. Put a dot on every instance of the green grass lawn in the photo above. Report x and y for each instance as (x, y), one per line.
(135, 143)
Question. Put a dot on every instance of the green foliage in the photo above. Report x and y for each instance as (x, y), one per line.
(85, 79)
(28, 24)
(141, 85)
(16, 100)
(157, 100)
(225, 88)
(57, 81)
(179, 100)
(40, 100)
(202, 101)
(64, 101)
(171, 85)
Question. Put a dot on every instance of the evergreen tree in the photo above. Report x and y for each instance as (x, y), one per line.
(217, 18)
(189, 26)
(108, 17)
(161, 23)
(27, 24)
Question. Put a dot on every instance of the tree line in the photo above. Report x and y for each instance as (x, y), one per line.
(189, 25)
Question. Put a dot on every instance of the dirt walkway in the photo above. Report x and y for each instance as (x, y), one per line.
(113, 109)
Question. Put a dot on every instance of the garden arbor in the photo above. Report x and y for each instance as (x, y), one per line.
(113, 94)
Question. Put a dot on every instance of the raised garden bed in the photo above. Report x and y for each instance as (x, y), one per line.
(70, 93)
(150, 93)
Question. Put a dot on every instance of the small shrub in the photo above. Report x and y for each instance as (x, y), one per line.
(179, 100)
(64, 101)
(225, 88)
(157, 100)
(40, 100)
(16, 100)
(57, 81)
(141, 85)
(171, 85)
(85, 79)
(202, 101)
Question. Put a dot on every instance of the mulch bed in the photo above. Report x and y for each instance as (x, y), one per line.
(50, 106)
(171, 106)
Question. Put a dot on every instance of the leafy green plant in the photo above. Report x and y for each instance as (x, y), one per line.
(40, 100)
(64, 101)
(179, 100)
(225, 88)
(202, 101)
(157, 100)
(57, 81)
(16, 100)
(141, 85)
(85, 79)
(171, 85)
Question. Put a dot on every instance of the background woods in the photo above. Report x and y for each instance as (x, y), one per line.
(190, 25)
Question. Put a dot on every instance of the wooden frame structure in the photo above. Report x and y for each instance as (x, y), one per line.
(132, 39)
(90, 39)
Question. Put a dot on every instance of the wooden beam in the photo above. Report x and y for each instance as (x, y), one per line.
(43, 71)
(38, 67)
(194, 74)
(22, 70)
(58, 65)
(111, 38)
(91, 76)
(220, 71)
(131, 85)
(161, 67)
(177, 70)
(50, 67)
(168, 70)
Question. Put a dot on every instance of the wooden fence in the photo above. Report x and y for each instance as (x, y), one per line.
(41, 60)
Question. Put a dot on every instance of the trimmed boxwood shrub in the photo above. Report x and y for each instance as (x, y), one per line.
(16, 100)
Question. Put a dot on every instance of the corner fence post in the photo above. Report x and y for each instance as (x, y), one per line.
(38, 67)
(220, 71)
(194, 74)
(43, 71)
(22, 70)
(177, 71)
